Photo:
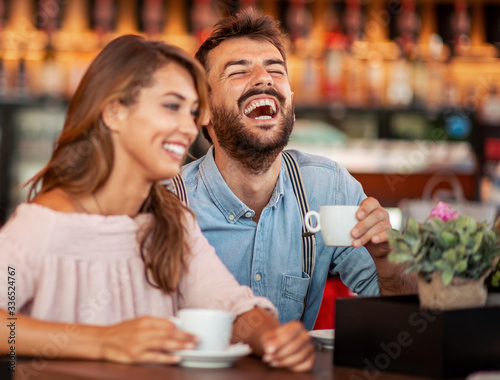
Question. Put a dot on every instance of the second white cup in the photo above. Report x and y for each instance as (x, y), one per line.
(213, 328)
(335, 223)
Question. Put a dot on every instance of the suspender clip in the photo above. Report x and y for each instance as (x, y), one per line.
(307, 234)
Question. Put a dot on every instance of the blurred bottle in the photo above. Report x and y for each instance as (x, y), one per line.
(203, 17)
(334, 53)
(399, 87)
(311, 79)
(460, 26)
(49, 21)
(53, 77)
(435, 74)
(353, 21)
(408, 24)
(420, 82)
(104, 18)
(152, 17)
(376, 79)
(355, 83)
(334, 67)
(299, 22)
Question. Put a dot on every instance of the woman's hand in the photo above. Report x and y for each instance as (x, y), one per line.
(289, 346)
(145, 340)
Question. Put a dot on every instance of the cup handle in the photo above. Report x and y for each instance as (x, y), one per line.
(307, 221)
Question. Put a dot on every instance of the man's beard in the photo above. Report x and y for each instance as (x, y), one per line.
(244, 146)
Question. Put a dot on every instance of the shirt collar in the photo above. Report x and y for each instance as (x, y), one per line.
(230, 206)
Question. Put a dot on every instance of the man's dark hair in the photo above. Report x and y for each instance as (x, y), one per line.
(248, 23)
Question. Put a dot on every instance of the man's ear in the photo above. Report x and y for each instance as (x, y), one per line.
(113, 114)
(210, 129)
(206, 118)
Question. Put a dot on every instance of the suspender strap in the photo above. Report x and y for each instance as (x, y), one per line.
(179, 189)
(308, 240)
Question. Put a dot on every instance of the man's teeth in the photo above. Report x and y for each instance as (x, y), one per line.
(174, 148)
(261, 103)
(263, 117)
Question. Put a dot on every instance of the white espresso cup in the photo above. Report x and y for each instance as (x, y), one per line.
(335, 223)
(213, 328)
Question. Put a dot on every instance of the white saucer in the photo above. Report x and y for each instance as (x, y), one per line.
(323, 337)
(213, 359)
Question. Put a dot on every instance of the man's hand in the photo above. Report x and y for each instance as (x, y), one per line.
(289, 346)
(371, 231)
(285, 346)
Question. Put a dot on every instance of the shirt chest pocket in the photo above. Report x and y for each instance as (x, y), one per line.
(293, 293)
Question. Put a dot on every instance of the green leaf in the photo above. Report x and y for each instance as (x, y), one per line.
(448, 239)
(447, 276)
(478, 239)
(412, 227)
(469, 223)
(435, 254)
(450, 256)
(460, 266)
(440, 264)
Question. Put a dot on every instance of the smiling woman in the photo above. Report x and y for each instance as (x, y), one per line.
(151, 136)
(111, 253)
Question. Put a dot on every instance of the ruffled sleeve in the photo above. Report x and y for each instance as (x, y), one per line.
(209, 284)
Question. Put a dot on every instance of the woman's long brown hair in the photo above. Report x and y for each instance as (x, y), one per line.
(83, 155)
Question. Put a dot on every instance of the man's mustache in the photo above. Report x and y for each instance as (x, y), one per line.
(257, 91)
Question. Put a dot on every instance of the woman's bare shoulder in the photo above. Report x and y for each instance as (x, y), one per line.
(57, 200)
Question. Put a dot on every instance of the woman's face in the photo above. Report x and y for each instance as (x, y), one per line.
(153, 134)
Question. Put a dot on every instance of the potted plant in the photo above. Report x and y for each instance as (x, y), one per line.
(452, 256)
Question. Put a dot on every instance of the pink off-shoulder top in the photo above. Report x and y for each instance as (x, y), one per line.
(82, 268)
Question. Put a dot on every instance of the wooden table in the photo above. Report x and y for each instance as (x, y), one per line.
(247, 368)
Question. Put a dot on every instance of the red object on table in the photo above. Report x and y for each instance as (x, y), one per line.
(334, 288)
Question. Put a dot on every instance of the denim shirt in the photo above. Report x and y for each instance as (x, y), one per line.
(267, 255)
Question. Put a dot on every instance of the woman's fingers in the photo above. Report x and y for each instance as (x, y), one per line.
(145, 340)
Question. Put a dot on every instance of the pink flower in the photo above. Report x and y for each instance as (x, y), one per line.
(442, 211)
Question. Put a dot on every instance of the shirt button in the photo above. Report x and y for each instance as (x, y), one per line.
(257, 277)
(248, 214)
(231, 217)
